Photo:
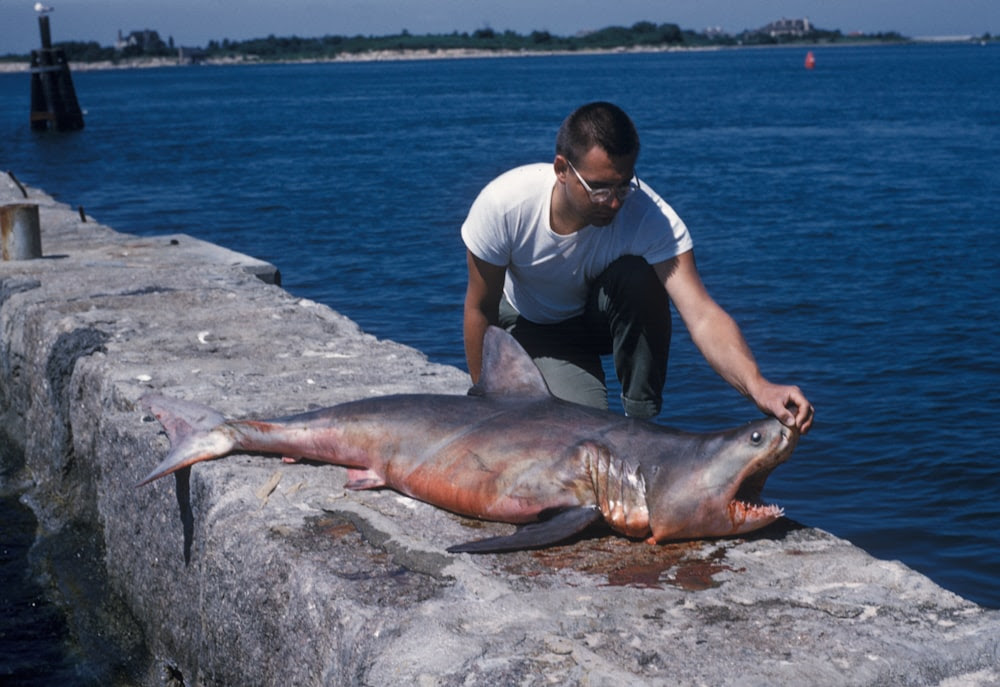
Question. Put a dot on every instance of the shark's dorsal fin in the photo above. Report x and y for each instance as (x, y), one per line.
(507, 369)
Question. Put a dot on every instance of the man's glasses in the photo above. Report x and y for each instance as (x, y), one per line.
(601, 196)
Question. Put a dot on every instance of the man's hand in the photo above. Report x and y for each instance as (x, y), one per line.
(787, 403)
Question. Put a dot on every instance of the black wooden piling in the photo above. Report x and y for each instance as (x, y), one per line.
(53, 98)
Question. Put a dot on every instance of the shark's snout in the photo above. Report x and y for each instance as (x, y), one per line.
(721, 494)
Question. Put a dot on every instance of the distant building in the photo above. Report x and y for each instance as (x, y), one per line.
(787, 28)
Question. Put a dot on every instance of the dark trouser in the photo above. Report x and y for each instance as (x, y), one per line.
(628, 315)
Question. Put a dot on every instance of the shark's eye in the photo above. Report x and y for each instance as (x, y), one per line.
(756, 438)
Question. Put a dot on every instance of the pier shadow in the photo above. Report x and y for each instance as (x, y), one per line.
(182, 479)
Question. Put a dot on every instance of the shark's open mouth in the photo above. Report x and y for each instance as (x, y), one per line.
(746, 509)
(747, 506)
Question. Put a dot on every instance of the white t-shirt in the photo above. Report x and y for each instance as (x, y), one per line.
(548, 275)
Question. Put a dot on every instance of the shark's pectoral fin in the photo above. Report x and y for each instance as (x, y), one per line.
(563, 525)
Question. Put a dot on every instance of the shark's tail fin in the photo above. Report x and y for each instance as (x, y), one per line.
(196, 433)
(181, 418)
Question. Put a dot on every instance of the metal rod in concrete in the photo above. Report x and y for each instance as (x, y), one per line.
(20, 233)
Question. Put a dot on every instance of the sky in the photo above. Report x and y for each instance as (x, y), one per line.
(195, 22)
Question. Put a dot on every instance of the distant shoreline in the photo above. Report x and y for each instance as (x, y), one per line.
(424, 54)
(368, 56)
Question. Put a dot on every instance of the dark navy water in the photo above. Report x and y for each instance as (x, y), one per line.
(847, 217)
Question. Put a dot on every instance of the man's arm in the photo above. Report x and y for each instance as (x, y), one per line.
(482, 308)
(720, 340)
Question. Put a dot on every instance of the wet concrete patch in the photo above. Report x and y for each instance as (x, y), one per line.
(621, 562)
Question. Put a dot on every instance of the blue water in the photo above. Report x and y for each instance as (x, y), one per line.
(847, 217)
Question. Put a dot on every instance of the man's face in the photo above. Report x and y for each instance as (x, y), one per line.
(599, 171)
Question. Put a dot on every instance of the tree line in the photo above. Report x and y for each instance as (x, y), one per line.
(639, 35)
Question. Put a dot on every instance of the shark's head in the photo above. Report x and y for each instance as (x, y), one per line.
(714, 489)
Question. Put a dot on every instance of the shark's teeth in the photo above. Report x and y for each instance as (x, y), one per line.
(765, 510)
(741, 512)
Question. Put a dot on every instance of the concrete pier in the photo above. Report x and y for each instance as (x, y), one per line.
(253, 572)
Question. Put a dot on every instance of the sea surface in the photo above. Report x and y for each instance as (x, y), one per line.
(847, 216)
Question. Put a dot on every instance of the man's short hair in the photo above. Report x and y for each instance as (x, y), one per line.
(600, 124)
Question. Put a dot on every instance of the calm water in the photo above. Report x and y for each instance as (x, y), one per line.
(847, 217)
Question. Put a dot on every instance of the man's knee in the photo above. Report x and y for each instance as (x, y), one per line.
(630, 276)
(629, 287)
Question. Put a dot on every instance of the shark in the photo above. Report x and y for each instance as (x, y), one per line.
(509, 451)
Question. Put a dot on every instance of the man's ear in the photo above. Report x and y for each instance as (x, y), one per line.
(561, 167)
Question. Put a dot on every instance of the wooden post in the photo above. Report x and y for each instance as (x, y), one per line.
(53, 98)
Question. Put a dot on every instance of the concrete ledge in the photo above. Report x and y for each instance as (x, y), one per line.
(253, 572)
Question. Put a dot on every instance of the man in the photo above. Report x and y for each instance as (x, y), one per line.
(578, 259)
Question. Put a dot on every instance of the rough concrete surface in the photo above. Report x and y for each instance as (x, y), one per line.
(248, 571)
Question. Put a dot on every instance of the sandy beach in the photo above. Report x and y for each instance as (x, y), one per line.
(369, 56)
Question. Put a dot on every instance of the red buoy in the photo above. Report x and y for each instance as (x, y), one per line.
(810, 60)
